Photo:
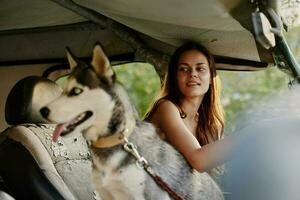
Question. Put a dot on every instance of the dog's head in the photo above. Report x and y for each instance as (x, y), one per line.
(89, 100)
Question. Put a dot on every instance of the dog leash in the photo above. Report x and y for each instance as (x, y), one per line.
(142, 162)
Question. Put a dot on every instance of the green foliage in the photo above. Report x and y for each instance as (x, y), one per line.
(61, 80)
(293, 40)
(243, 90)
(142, 83)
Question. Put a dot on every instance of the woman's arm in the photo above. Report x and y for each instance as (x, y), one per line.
(167, 118)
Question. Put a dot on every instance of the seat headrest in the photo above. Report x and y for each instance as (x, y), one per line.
(27, 97)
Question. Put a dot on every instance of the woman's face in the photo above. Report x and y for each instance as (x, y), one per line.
(193, 74)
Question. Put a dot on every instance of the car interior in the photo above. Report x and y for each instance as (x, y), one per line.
(242, 36)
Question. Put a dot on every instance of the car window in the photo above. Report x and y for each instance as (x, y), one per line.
(142, 83)
(293, 39)
(242, 91)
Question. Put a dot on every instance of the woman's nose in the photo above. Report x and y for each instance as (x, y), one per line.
(193, 73)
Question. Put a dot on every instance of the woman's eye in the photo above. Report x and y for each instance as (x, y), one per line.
(183, 69)
(200, 69)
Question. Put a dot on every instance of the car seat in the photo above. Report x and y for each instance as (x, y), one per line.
(32, 166)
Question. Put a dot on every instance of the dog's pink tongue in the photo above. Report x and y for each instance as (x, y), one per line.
(58, 130)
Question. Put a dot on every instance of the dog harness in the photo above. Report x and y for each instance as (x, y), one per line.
(121, 138)
(143, 163)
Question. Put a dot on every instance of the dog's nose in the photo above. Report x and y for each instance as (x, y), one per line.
(45, 112)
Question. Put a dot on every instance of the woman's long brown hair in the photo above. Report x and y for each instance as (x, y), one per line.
(211, 119)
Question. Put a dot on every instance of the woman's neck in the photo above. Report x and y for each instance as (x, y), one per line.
(190, 106)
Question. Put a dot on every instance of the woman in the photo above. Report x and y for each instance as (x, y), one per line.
(189, 112)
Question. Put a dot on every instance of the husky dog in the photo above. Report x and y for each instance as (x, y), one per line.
(96, 104)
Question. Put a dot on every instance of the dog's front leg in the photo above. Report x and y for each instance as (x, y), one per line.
(110, 187)
(115, 191)
(104, 194)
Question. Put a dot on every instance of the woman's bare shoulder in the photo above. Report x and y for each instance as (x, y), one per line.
(165, 109)
(166, 104)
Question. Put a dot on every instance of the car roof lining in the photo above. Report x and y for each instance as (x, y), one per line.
(46, 27)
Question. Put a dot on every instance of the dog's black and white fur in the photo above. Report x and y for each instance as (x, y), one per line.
(95, 103)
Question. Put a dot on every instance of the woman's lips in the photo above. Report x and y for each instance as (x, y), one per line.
(192, 83)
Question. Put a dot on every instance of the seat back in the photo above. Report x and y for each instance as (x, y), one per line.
(49, 170)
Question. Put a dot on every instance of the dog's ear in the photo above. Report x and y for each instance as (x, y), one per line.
(101, 64)
(71, 58)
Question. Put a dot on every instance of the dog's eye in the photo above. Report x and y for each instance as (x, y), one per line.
(75, 91)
